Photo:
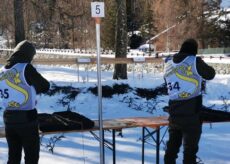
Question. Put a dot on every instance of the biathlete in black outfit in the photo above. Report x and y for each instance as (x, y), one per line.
(184, 75)
(19, 84)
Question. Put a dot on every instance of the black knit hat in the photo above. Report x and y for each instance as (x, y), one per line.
(23, 52)
(189, 46)
(25, 47)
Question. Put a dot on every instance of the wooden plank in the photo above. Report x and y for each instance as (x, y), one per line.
(118, 123)
(71, 61)
(121, 123)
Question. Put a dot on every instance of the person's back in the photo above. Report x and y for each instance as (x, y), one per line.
(184, 75)
(20, 82)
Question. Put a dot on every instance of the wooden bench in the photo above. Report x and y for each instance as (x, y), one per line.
(119, 124)
(155, 123)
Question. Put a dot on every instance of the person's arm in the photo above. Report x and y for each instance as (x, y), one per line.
(207, 72)
(33, 77)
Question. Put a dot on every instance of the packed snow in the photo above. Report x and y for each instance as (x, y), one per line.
(83, 148)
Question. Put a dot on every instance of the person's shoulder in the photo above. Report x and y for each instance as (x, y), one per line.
(29, 66)
(168, 58)
(30, 69)
(199, 60)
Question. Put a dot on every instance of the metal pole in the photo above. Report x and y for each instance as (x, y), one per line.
(78, 72)
(158, 145)
(114, 146)
(87, 71)
(143, 145)
(102, 157)
(133, 70)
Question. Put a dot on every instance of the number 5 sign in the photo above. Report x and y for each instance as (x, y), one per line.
(97, 9)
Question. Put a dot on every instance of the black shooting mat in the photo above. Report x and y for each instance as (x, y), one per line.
(63, 121)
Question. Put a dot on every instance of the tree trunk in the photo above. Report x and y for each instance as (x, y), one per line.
(19, 21)
(120, 70)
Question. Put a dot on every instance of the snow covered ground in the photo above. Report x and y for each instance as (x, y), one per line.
(225, 3)
(82, 148)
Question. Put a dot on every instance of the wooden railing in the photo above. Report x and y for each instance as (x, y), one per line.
(104, 60)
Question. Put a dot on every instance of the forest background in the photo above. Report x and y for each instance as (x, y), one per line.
(68, 23)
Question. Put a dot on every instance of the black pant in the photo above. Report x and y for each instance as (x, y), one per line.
(23, 136)
(189, 134)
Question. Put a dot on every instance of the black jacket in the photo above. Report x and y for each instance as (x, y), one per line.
(24, 53)
(191, 106)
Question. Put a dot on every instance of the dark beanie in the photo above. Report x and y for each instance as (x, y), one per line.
(25, 47)
(189, 46)
(23, 53)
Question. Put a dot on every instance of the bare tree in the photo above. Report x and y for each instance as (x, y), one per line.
(120, 70)
(68, 24)
(6, 21)
(65, 24)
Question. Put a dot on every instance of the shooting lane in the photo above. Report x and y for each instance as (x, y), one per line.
(66, 122)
